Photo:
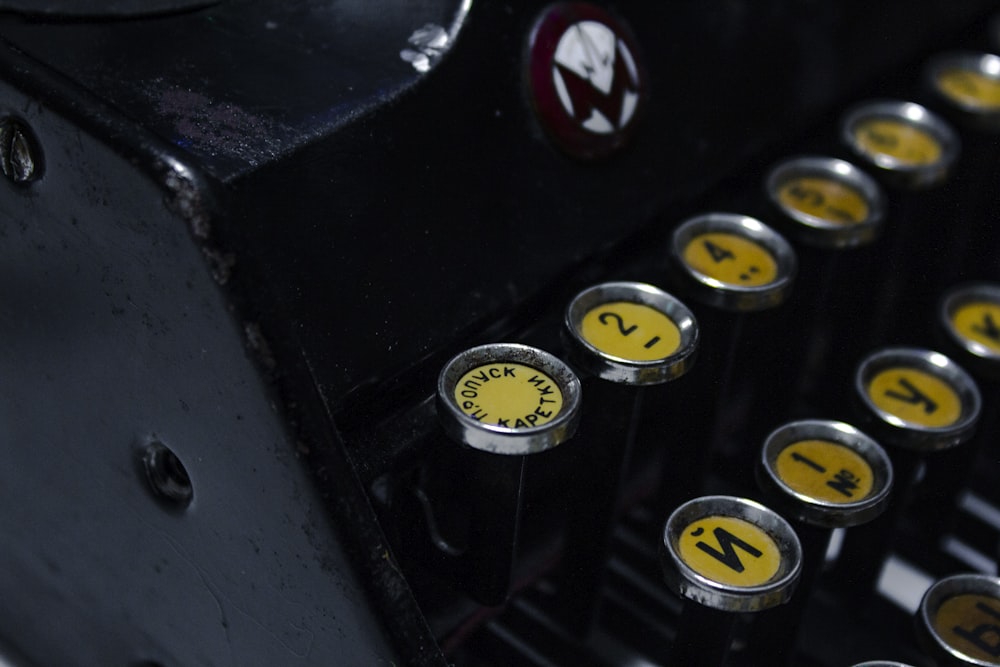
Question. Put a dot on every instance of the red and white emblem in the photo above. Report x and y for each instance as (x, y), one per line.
(585, 81)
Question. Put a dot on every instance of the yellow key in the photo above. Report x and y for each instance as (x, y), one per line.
(730, 554)
(958, 622)
(915, 397)
(826, 471)
(979, 321)
(731, 259)
(631, 331)
(913, 145)
(730, 551)
(509, 394)
(921, 399)
(824, 198)
(908, 144)
(507, 398)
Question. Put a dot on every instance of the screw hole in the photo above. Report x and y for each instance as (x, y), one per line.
(20, 156)
(167, 476)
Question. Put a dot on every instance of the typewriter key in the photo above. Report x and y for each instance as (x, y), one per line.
(824, 475)
(958, 622)
(628, 336)
(733, 261)
(835, 204)
(905, 140)
(507, 398)
(881, 663)
(742, 270)
(723, 555)
(971, 317)
(920, 400)
(631, 333)
(730, 554)
(917, 402)
(504, 402)
(971, 83)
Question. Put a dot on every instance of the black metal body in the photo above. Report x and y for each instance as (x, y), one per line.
(261, 231)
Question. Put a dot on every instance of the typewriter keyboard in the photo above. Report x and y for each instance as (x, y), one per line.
(761, 431)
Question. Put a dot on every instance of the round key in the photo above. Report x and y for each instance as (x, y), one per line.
(971, 83)
(958, 622)
(627, 336)
(881, 663)
(507, 398)
(825, 473)
(730, 554)
(631, 333)
(921, 400)
(903, 139)
(733, 261)
(835, 204)
(971, 317)
(585, 79)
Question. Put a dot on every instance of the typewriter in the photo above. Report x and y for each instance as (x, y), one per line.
(499, 333)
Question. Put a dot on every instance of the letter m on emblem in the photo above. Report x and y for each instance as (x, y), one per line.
(595, 77)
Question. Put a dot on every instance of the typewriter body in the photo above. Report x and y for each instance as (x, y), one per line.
(242, 240)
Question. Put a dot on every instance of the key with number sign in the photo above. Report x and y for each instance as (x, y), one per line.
(822, 475)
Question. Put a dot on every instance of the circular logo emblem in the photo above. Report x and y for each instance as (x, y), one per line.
(586, 84)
